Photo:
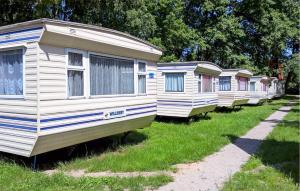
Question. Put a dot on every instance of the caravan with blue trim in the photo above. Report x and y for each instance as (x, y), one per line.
(185, 89)
(64, 83)
(233, 87)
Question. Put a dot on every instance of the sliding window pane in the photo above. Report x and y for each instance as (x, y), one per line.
(11, 72)
(75, 83)
(111, 76)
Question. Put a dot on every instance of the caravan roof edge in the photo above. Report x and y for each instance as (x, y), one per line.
(43, 21)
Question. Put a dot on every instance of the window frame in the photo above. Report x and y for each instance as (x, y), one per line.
(213, 82)
(172, 72)
(247, 84)
(23, 73)
(199, 80)
(230, 82)
(254, 86)
(141, 74)
(135, 78)
(82, 68)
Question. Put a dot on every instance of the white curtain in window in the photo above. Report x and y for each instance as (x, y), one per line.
(11, 72)
(75, 83)
(75, 59)
(224, 83)
(111, 76)
(142, 84)
(174, 82)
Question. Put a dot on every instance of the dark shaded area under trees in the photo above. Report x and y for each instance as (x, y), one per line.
(257, 35)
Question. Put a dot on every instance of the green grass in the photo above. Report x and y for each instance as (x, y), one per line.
(276, 166)
(166, 144)
(16, 178)
(155, 148)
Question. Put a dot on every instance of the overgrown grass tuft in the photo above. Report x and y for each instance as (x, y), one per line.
(167, 144)
(276, 166)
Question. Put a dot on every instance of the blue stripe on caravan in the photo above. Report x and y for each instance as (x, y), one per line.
(18, 127)
(20, 31)
(70, 124)
(17, 135)
(174, 101)
(137, 108)
(71, 117)
(20, 39)
(141, 112)
(90, 121)
(18, 118)
(182, 105)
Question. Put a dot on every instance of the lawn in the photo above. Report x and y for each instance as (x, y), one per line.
(276, 166)
(16, 178)
(156, 148)
(165, 144)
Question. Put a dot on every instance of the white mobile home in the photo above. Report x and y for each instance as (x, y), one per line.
(63, 83)
(185, 89)
(272, 88)
(233, 87)
(280, 88)
(258, 89)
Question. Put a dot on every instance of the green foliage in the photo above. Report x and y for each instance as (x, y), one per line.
(231, 33)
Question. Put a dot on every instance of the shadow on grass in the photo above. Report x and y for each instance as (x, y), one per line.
(51, 159)
(281, 155)
(182, 120)
(287, 123)
(228, 109)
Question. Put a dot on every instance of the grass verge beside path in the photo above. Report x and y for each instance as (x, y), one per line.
(276, 166)
(167, 144)
(16, 178)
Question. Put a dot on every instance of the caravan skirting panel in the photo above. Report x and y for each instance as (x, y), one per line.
(63, 139)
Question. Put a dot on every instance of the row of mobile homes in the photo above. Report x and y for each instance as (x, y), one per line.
(63, 83)
(186, 89)
(258, 89)
(272, 88)
(233, 87)
(280, 88)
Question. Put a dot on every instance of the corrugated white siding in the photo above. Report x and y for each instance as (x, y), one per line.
(182, 104)
(228, 98)
(18, 117)
(256, 96)
(60, 115)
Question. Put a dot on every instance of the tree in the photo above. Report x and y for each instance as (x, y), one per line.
(14, 11)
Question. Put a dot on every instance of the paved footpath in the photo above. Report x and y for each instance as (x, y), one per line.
(213, 171)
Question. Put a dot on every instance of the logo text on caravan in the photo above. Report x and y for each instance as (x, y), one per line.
(114, 114)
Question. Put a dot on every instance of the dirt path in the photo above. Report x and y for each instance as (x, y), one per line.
(213, 171)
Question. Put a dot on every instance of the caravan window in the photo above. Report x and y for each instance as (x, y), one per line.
(242, 84)
(75, 74)
(11, 73)
(225, 83)
(199, 83)
(111, 76)
(207, 83)
(142, 77)
(264, 87)
(174, 82)
(252, 86)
